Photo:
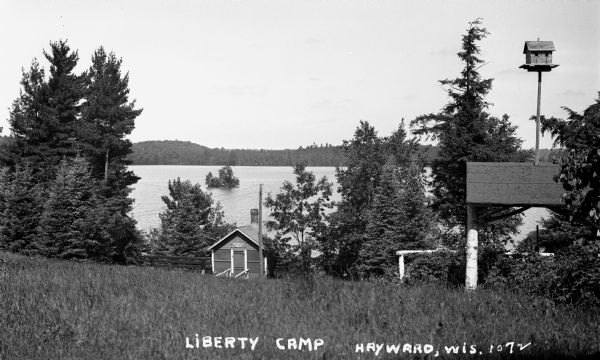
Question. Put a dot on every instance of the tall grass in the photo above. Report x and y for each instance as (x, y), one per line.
(52, 309)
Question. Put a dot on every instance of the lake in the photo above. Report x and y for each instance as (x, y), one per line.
(237, 202)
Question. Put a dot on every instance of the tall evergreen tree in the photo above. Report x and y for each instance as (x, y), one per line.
(107, 117)
(71, 198)
(22, 201)
(398, 219)
(44, 117)
(4, 187)
(466, 132)
(59, 117)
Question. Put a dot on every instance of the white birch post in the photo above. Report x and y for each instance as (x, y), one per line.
(401, 267)
(471, 270)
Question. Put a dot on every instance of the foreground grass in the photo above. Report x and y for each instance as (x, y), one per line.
(52, 309)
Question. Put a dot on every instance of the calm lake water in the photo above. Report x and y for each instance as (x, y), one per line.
(237, 202)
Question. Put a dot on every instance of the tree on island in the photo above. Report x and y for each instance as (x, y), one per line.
(226, 179)
(466, 132)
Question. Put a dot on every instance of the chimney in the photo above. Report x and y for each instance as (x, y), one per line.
(254, 216)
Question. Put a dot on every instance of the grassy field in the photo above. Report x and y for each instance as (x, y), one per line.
(52, 309)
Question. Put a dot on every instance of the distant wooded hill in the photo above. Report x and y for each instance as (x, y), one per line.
(174, 152)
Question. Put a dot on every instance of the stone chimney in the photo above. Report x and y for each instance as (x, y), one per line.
(253, 216)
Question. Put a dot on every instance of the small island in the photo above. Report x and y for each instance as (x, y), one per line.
(226, 179)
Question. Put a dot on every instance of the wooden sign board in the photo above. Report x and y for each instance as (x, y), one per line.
(514, 184)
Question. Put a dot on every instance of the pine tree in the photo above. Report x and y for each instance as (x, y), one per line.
(22, 201)
(466, 132)
(107, 117)
(398, 219)
(44, 117)
(401, 149)
(191, 221)
(71, 199)
(4, 187)
(59, 117)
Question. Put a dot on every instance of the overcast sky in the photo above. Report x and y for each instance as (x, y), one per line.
(283, 74)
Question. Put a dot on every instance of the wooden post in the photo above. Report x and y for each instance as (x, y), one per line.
(471, 269)
(537, 239)
(401, 267)
(106, 166)
(260, 244)
(537, 120)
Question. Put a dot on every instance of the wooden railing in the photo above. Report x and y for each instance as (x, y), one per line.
(202, 263)
(246, 272)
(227, 273)
(402, 253)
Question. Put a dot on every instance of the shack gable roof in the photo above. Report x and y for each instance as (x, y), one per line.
(249, 232)
(538, 46)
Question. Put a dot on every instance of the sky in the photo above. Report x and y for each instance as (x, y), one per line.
(283, 74)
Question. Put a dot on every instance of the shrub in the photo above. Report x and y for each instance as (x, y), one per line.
(448, 267)
(524, 273)
(438, 267)
(572, 276)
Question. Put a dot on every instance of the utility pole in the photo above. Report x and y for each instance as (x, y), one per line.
(260, 242)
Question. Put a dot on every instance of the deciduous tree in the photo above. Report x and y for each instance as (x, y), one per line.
(365, 156)
(580, 167)
(299, 214)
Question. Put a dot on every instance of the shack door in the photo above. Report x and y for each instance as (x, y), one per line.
(239, 261)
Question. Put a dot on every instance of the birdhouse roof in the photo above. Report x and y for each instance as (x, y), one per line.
(538, 46)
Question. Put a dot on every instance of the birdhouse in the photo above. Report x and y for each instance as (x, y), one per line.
(538, 56)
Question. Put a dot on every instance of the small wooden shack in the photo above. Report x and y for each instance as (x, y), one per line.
(236, 254)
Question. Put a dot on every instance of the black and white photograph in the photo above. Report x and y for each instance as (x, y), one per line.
(299, 179)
